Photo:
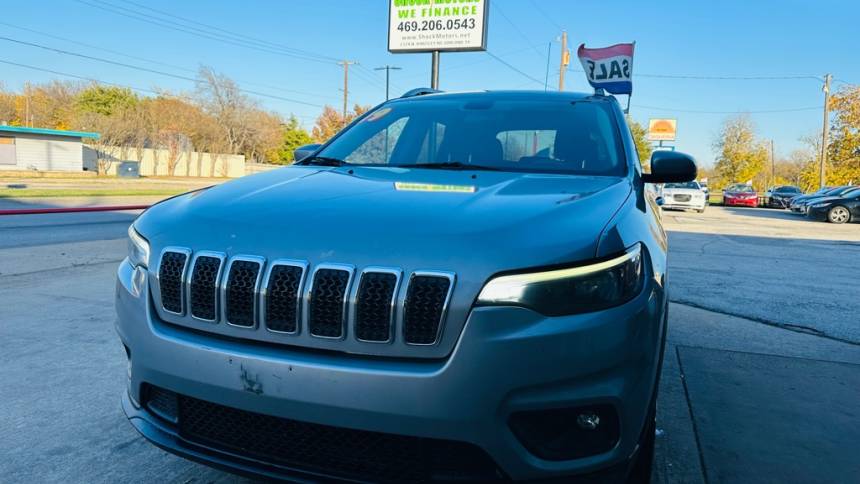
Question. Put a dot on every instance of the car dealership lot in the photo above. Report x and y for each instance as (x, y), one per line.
(760, 379)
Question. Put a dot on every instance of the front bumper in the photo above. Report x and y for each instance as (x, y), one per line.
(692, 204)
(506, 360)
(819, 214)
(741, 202)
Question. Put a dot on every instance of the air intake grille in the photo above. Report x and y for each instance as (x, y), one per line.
(170, 274)
(327, 302)
(204, 287)
(373, 310)
(282, 306)
(425, 307)
(332, 451)
(241, 292)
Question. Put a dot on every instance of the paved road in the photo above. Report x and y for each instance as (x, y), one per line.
(768, 265)
(740, 401)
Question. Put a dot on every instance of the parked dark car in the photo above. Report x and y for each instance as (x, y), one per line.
(740, 194)
(800, 204)
(837, 210)
(780, 197)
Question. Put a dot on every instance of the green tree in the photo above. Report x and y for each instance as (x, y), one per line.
(106, 100)
(844, 148)
(643, 146)
(293, 136)
(741, 156)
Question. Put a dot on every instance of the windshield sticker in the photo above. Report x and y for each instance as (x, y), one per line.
(378, 114)
(427, 187)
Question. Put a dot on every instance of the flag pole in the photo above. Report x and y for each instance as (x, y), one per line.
(632, 56)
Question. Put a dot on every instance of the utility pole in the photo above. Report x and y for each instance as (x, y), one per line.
(387, 68)
(772, 166)
(565, 60)
(825, 128)
(346, 64)
(434, 70)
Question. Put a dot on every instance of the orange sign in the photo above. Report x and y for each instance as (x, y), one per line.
(662, 129)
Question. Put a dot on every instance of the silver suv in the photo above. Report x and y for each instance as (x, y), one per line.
(458, 286)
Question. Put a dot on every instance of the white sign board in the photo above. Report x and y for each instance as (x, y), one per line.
(443, 25)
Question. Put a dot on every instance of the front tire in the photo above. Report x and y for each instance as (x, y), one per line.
(641, 472)
(838, 215)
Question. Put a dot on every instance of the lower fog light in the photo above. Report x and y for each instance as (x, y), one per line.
(588, 421)
(567, 433)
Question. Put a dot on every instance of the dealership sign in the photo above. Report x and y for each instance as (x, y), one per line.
(437, 25)
(662, 129)
(609, 68)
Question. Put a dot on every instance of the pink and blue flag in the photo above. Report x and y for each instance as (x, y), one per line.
(609, 68)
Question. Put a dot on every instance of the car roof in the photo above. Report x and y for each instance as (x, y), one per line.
(506, 95)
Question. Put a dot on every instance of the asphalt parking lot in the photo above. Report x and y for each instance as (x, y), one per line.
(761, 378)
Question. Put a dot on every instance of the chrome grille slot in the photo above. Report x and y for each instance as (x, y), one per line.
(327, 301)
(203, 286)
(171, 275)
(375, 304)
(283, 295)
(424, 309)
(240, 292)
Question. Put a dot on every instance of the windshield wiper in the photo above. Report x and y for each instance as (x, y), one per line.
(449, 165)
(323, 161)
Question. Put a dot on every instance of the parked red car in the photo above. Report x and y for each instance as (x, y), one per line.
(740, 195)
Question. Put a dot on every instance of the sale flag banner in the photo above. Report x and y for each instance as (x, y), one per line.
(609, 68)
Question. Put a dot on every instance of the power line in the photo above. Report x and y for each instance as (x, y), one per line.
(720, 78)
(228, 32)
(146, 69)
(198, 32)
(763, 111)
(516, 28)
(74, 76)
(151, 61)
(546, 15)
(494, 56)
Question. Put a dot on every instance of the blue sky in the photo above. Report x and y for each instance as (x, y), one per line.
(727, 38)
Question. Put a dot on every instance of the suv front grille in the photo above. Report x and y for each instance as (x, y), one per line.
(425, 308)
(374, 309)
(294, 298)
(204, 287)
(171, 274)
(282, 298)
(328, 302)
(241, 292)
(332, 451)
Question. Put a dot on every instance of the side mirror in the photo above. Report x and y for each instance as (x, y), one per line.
(671, 167)
(303, 152)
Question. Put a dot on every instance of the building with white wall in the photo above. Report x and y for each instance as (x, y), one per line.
(42, 149)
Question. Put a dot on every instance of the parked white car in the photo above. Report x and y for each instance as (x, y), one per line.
(683, 196)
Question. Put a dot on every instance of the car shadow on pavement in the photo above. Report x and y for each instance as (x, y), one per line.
(774, 213)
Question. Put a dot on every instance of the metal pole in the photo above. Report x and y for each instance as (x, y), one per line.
(434, 71)
(564, 60)
(548, 54)
(824, 129)
(387, 70)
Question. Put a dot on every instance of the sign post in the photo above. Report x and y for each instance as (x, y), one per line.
(428, 26)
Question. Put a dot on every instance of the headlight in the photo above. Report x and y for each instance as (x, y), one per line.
(570, 291)
(138, 249)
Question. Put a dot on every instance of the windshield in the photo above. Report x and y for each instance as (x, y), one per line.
(690, 185)
(788, 190)
(741, 189)
(555, 136)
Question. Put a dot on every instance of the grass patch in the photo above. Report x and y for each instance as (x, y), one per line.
(85, 192)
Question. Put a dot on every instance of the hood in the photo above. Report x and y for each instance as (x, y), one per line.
(410, 218)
